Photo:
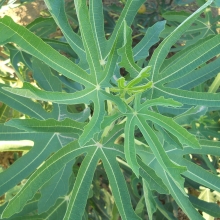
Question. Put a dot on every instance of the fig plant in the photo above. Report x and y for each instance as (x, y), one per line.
(135, 120)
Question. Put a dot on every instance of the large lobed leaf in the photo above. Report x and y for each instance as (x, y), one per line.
(157, 157)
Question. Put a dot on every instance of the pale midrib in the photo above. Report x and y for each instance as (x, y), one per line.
(95, 30)
(26, 107)
(62, 67)
(185, 97)
(27, 185)
(179, 60)
(93, 71)
(64, 31)
(37, 156)
(144, 45)
(171, 128)
(161, 159)
(54, 189)
(54, 210)
(114, 178)
(67, 216)
(173, 33)
(48, 99)
(193, 80)
(116, 32)
(174, 192)
(129, 145)
(208, 183)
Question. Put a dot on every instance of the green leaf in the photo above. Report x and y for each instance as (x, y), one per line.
(151, 180)
(31, 91)
(159, 101)
(151, 37)
(112, 58)
(6, 113)
(167, 215)
(22, 104)
(42, 175)
(118, 128)
(42, 27)
(56, 187)
(179, 196)
(16, 56)
(199, 175)
(190, 58)
(126, 53)
(45, 141)
(62, 47)
(67, 126)
(215, 84)
(44, 145)
(196, 77)
(84, 96)
(168, 137)
(149, 200)
(31, 206)
(88, 39)
(95, 124)
(57, 10)
(190, 115)
(181, 133)
(97, 24)
(207, 147)
(168, 166)
(31, 44)
(189, 97)
(140, 206)
(46, 79)
(128, 13)
(162, 50)
(113, 134)
(198, 30)
(117, 182)
(130, 151)
(81, 188)
(208, 207)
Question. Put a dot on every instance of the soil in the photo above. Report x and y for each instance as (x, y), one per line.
(7, 158)
(26, 13)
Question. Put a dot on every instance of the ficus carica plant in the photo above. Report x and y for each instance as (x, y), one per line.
(137, 119)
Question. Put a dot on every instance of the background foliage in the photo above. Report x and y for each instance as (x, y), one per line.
(161, 150)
